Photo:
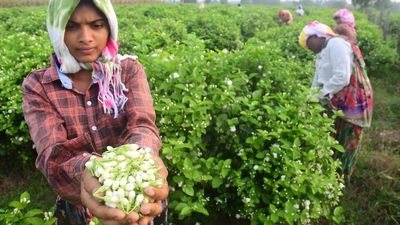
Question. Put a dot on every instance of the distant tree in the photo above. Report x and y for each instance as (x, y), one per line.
(359, 4)
(336, 3)
(366, 3)
(306, 2)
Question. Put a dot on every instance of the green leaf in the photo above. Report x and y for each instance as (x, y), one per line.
(186, 211)
(188, 189)
(33, 221)
(338, 214)
(216, 182)
(25, 196)
(16, 204)
(200, 208)
(33, 212)
(51, 221)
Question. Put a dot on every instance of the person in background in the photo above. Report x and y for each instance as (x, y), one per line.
(285, 17)
(300, 10)
(345, 24)
(343, 84)
(89, 98)
(345, 16)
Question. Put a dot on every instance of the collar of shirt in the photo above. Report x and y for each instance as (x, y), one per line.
(53, 73)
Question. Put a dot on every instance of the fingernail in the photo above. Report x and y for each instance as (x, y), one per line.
(145, 210)
(150, 192)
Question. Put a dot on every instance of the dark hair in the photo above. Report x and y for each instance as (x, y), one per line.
(91, 3)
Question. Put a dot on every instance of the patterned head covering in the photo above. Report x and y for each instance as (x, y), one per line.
(314, 28)
(346, 17)
(106, 69)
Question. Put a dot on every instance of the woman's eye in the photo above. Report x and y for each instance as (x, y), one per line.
(98, 25)
(71, 26)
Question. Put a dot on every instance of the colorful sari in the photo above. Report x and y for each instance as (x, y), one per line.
(356, 103)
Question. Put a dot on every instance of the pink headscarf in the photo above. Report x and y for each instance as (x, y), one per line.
(346, 17)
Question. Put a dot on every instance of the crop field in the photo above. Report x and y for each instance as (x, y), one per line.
(243, 140)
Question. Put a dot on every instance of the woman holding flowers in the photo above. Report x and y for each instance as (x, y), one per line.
(343, 84)
(89, 98)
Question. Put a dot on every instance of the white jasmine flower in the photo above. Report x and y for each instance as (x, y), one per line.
(175, 75)
(307, 204)
(233, 129)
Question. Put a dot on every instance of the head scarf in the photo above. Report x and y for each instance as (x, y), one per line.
(106, 70)
(315, 28)
(346, 17)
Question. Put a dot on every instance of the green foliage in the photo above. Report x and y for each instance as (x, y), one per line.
(241, 134)
(18, 212)
(20, 54)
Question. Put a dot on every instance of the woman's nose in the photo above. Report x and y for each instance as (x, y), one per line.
(86, 35)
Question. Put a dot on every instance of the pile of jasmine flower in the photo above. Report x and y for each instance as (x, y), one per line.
(124, 172)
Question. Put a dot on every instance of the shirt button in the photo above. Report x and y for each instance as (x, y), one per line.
(89, 103)
(94, 128)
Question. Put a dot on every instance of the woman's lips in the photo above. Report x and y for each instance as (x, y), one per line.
(86, 51)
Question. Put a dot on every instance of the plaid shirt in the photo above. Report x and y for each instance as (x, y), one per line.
(68, 126)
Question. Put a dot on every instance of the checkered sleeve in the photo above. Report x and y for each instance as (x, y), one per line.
(60, 160)
(140, 128)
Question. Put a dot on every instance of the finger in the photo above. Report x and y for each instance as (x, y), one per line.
(157, 193)
(90, 183)
(109, 222)
(145, 220)
(152, 209)
(131, 219)
(99, 210)
(162, 169)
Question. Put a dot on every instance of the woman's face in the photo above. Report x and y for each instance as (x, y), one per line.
(338, 21)
(86, 33)
(315, 43)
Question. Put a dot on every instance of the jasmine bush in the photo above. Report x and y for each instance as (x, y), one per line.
(241, 134)
(18, 212)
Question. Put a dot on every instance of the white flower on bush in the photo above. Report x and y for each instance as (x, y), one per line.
(228, 82)
(47, 215)
(260, 67)
(307, 204)
(124, 172)
(175, 75)
(233, 129)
